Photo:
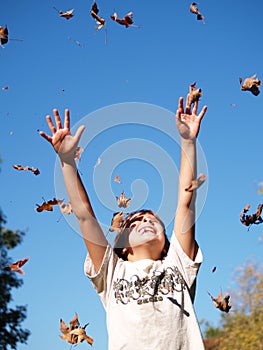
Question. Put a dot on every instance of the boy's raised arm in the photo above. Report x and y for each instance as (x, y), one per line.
(188, 124)
(65, 146)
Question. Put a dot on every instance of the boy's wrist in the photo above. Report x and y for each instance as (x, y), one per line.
(188, 141)
(67, 161)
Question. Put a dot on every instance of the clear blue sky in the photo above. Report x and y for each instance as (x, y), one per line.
(97, 75)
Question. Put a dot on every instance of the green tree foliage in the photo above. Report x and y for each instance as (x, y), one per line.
(11, 332)
(242, 327)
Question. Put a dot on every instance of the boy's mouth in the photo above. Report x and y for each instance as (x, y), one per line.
(146, 228)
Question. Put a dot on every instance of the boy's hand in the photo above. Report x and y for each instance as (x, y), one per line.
(188, 123)
(62, 141)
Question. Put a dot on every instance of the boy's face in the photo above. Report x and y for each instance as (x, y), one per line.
(146, 229)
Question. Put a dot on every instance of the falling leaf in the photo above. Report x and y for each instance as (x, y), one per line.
(16, 266)
(94, 13)
(3, 35)
(251, 84)
(194, 9)
(78, 151)
(74, 334)
(67, 14)
(116, 221)
(81, 335)
(48, 205)
(33, 170)
(123, 202)
(126, 21)
(65, 330)
(255, 218)
(194, 94)
(4, 38)
(117, 179)
(222, 304)
(66, 208)
(98, 162)
(196, 183)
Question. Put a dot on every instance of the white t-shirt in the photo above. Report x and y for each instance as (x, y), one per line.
(149, 304)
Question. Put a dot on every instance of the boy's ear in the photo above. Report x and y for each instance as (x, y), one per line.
(125, 251)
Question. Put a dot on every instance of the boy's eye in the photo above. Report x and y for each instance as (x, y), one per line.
(132, 226)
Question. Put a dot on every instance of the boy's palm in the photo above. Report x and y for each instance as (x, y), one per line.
(63, 142)
(188, 123)
(188, 126)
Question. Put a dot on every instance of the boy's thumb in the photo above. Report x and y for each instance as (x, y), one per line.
(79, 132)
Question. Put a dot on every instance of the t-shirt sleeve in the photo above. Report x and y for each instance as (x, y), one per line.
(188, 267)
(101, 280)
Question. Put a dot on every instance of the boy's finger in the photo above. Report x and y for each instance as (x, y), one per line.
(194, 111)
(188, 106)
(57, 119)
(50, 124)
(67, 119)
(180, 105)
(202, 113)
(45, 136)
(79, 132)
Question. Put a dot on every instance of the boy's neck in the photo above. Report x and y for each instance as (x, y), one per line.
(141, 254)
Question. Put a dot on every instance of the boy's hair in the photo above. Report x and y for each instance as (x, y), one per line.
(122, 238)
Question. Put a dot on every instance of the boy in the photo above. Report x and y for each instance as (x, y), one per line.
(146, 284)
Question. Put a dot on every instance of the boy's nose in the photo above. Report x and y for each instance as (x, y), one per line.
(147, 220)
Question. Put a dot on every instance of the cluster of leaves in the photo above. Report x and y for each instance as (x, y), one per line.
(48, 205)
(11, 331)
(126, 21)
(242, 328)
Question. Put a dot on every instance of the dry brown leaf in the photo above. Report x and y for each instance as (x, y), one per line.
(98, 162)
(66, 208)
(67, 14)
(222, 304)
(194, 9)
(49, 205)
(255, 218)
(251, 84)
(94, 13)
(213, 269)
(116, 221)
(78, 151)
(3, 35)
(17, 265)
(117, 179)
(126, 21)
(20, 167)
(74, 334)
(196, 183)
(194, 94)
(123, 202)
(81, 335)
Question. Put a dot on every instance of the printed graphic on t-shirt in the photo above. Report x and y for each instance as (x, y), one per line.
(149, 289)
